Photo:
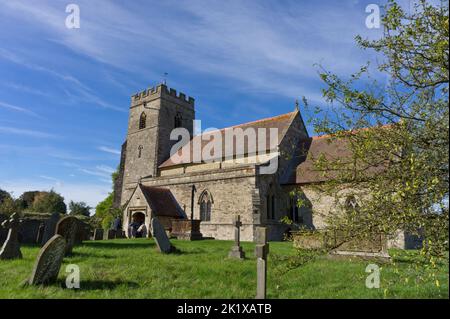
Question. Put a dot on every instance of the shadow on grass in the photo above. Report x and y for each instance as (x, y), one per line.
(76, 254)
(100, 284)
(118, 245)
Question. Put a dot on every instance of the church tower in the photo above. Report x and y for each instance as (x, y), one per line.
(154, 113)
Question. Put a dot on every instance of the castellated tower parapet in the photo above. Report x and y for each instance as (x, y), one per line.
(162, 91)
(153, 114)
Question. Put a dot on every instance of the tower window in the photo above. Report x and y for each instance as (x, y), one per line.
(140, 151)
(142, 121)
(178, 120)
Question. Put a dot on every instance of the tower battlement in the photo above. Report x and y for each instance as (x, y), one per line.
(159, 91)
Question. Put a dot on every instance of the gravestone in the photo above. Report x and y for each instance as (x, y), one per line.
(98, 234)
(11, 247)
(236, 251)
(83, 232)
(67, 228)
(261, 252)
(50, 227)
(40, 233)
(372, 246)
(48, 262)
(186, 229)
(161, 239)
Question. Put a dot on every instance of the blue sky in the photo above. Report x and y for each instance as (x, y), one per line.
(65, 93)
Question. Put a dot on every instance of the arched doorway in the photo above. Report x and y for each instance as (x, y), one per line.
(137, 227)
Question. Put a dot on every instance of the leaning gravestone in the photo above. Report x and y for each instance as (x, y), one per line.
(161, 239)
(67, 227)
(48, 262)
(11, 247)
(50, 228)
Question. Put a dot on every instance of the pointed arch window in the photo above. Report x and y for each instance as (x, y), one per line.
(205, 202)
(142, 121)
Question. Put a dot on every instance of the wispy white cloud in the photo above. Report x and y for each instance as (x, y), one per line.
(104, 168)
(268, 47)
(94, 172)
(109, 150)
(24, 88)
(55, 180)
(26, 132)
(19, 109)
(82, 91)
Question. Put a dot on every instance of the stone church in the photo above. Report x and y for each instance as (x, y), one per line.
(151, 184)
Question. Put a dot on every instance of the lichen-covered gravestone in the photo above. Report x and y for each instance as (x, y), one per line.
(50, 228)
(161, 239)
(67, 227)
(48, 262)
(11, 247)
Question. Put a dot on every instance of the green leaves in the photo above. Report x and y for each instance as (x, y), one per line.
(397, 131)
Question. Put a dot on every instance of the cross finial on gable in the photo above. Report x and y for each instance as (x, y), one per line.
(296, 105)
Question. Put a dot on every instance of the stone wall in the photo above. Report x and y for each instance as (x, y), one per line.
(231, 191)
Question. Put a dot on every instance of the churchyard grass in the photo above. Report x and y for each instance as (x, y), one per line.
(125, 268)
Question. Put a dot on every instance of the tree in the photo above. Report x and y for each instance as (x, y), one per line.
(105, 211)
(49, 202)
(79, 208)
(27, 198)
(8, 205)
(4, 195)
(398, 170)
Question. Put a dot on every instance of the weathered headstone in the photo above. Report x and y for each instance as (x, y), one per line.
(186, 229)
(373, 246)
(40, 233)
(67, 228)
(83, 232)
(236, 251)
(161, 239)
(48, 262)
(11, 247)
(50, 227)
(98, 234)
(261, 252)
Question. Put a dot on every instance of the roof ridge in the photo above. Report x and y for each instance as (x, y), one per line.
(248, 123)
(352, 131)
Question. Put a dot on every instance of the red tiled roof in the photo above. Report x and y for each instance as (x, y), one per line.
(281, 122)
(332, 149)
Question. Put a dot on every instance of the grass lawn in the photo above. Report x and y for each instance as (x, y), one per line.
(128, 268)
